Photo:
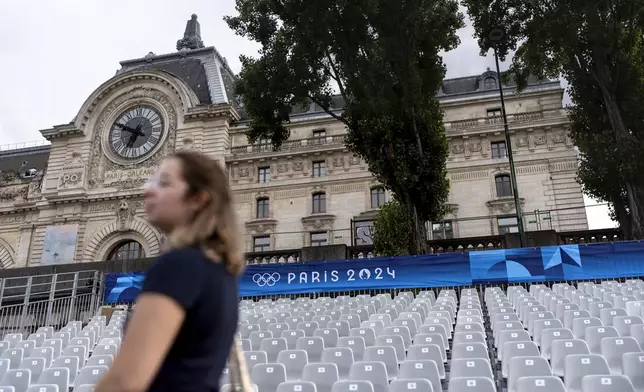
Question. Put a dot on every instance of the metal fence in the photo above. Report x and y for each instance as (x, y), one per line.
(27, 303)
(81, 304)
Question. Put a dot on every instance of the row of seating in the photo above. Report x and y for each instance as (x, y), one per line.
(512, 339)
(74, 357)
(583, 338)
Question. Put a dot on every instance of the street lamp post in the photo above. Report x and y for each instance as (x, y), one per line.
(495, 36)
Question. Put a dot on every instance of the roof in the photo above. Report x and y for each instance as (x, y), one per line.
(23, 159)
(204, 70)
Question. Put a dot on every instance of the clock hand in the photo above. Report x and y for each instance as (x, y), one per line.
(131, 140)
(125, 127)
(138, 130)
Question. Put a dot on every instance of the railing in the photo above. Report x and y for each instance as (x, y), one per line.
(458, 125)
(20, 146)
(289, 145)
(274, 257)
(516, 118)
(590, 237)
(27, 303)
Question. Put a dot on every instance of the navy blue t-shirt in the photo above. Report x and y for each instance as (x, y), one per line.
(209, 296)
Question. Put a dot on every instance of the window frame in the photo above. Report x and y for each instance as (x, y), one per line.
(320, 167)
(494, 147)
(265, 204)
(265, 177)
(441, 233)
(379, 191)
(494, 112)
(318, 203)
(264, 247)
(493, 79)
(502, 186)
(319, 134)
(319, 242)
(507, 228)
(119, 247)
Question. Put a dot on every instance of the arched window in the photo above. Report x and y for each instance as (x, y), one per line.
(126, 250)
(489, 83)
(377, 197)
(503, 185)
(319, 203)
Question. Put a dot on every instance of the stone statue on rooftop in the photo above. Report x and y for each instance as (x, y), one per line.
(192, 36)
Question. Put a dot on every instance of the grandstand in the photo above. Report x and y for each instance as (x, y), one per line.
(561, 337)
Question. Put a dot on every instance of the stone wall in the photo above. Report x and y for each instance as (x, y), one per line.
(85, 188)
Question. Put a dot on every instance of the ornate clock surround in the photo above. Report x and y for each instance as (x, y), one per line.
(109, 170)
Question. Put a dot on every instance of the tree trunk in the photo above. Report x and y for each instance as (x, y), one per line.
(621, 215)
(633, 192)
(418, 240)
(623, 139)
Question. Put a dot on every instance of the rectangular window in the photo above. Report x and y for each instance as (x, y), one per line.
(319, 238)
(264, 175)
(503, 186)
(496, 112)
(263, 208)
(507, 224)
(263, 145)
(377, 197)
(319, 203)
(319, 169)
(319, 134)
(262, 244)
(442, 230)
(498, 150)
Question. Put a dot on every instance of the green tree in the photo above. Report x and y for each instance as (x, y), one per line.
(383, 57)
(592, 43)
(600, 166)
(391, 230)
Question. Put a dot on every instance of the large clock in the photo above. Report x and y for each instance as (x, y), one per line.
(136, 132)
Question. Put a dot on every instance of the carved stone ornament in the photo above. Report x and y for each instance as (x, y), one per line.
(521, 141)
(261, 226)
(503, 205)
(244, 172)
(73, 173)
(35, 186)
(298, 166)
(354, 160)
(338, 162)
(100, 163)
(8, 176)
(282, 168)
(187, 144)
(70, 179)
(125, 215)
(458, 148)
(14, 193)
(475, 147)
(75, 162)
(8, 219)
(318, 221)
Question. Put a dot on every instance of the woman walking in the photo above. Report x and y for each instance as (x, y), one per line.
(186, 315)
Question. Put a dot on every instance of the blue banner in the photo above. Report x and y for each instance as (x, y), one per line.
(551, 263)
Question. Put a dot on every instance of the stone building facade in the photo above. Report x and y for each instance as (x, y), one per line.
(79, 198)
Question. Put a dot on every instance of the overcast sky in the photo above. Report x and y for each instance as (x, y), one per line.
(55, 53)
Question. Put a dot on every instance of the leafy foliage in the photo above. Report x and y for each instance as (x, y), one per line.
(392, 230)
(598, 47)
(383, 58)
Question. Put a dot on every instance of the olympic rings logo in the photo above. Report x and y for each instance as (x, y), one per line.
(266, 279)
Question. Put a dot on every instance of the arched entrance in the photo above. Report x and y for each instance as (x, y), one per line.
(126, 250)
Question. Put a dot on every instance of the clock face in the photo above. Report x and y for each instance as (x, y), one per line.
(136, 132)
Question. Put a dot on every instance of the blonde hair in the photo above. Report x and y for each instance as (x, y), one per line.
(214, 227)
